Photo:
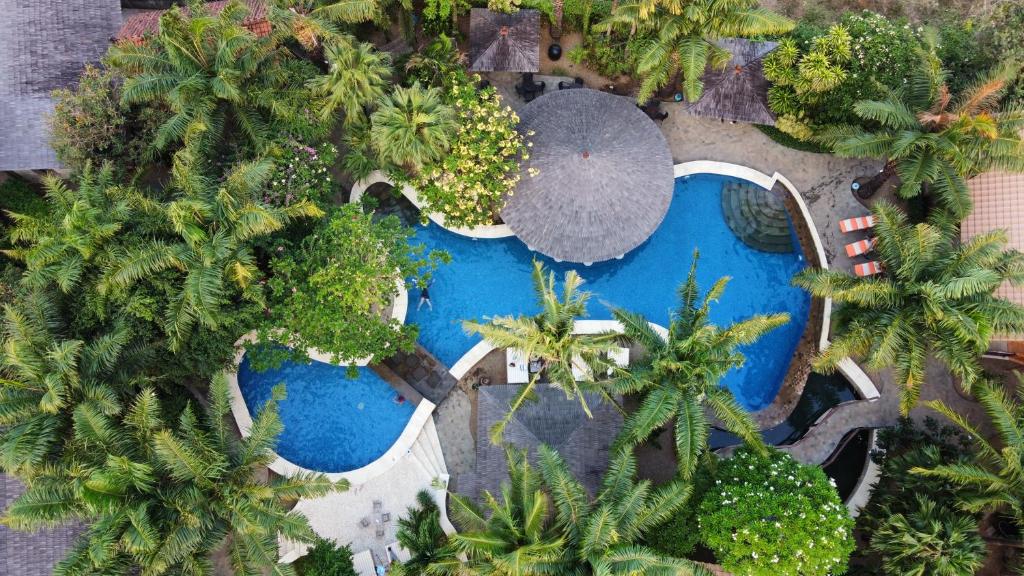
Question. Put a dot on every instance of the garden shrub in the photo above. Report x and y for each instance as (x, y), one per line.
(469, 185)
(331, 291)
(962, 55)
(611, 55)
(1002, 36)
(22, 197)
(678, 536)
(301, 172)
(326, 558)
(771, 515)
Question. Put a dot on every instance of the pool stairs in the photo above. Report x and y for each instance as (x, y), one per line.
(426, 451)
(757, 217)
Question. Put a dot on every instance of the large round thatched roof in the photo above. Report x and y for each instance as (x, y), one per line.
(603, 177)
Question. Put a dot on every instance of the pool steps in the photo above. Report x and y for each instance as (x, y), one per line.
(757, 217)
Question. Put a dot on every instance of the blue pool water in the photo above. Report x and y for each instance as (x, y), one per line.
(332, 423)
(492, 277)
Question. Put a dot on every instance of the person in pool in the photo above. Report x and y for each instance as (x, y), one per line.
(425, 297)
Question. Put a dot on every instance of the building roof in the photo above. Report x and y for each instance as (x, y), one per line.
(739, 91)
(44, 45)
(998, 205)
(504, 42)
(138, 26)
(31, 553)
(554, 420)
(603, 177)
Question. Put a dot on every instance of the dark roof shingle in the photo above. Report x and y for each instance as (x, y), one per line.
(138, 26)
(504, 42)
(739, 91)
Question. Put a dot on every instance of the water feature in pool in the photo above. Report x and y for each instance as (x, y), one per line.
(492, 277)
(332, 423)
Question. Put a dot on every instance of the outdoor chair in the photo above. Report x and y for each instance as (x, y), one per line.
(365, 522)
(529, 89)
(868, 269)
(385, 517)
(380, 531)
(858, 223)
(653, 110)
(576, 83)
(377, 505)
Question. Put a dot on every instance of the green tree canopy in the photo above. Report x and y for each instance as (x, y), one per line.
(929, 541)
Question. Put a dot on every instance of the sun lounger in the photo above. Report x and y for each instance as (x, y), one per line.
(580, 369)
(868, 268)
(858, 223)
(516, 368)
(619, 357)
(860, 247)
(363, 563)
(397, 554)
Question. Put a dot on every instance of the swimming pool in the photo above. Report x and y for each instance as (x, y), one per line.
(492, 277)
(332, 423)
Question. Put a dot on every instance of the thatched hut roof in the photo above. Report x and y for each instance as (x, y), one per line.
(603, 182)
(504, 42)
(739, 91)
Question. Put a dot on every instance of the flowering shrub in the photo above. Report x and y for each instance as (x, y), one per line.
(333, 292)
(765, 516)
(468, 187)
(301, 173)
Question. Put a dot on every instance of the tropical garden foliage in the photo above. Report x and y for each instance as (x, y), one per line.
(931, 539)
(936, 298)
(420, 532)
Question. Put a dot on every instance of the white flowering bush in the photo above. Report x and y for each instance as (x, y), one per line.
(469, 186)
(301, 172)
(769, 516)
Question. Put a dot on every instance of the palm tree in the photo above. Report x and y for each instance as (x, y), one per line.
(682, 371)
(163, 498)
(684, 34)
(601, 535)
(936, 297)
(216, 223)
(550, 338)
(420, 533)
(929, 541)
(996, 478)
(58, 247)
(933, 141)
(412, 127)
(516, 537)
(212, 72)
(356, 78)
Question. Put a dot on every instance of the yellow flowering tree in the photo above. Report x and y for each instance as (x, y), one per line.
(469, 185)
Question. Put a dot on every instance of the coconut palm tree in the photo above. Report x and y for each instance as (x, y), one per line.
(684, 35)
(162, 498)
(215, 223)
(932, 140)
(681, 373)
(356, 78)
(412, 127)
(420, 533)
(550, 338)
(516, 536)
(929, 541)
(936, 297)
(602, 535)
(996, 478)
(210, 70)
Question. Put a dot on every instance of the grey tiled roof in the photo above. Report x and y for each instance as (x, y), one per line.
(604, 177)
(44, 45)
(739, 91)
(504, 42)
(31, 553)
(554, 420)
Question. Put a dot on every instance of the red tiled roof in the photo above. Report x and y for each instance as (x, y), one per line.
(136, 27)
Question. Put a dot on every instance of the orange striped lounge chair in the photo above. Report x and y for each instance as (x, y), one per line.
(868, 268)
(858, 223)
(860, 247)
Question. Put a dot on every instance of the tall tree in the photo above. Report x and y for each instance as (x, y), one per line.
(515, 536)
(162, 498)
(932, 140)
(355, 79)
(929, 541)
(213, 72)
(684, 37)
(936, 296)
(412, 127)
(996, 478)
(681, 373)
(550, 337)
(214, 224)
(419, 532)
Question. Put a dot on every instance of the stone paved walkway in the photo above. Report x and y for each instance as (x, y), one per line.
(426, 374)
(31, 553)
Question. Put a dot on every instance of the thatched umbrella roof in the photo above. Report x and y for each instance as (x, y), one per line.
(739, 91)
(504, 42)
(603, 180)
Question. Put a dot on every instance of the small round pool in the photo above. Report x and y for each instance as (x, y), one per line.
(332, 423)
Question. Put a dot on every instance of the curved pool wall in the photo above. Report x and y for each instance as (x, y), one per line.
(243, 406)
(492, 277)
